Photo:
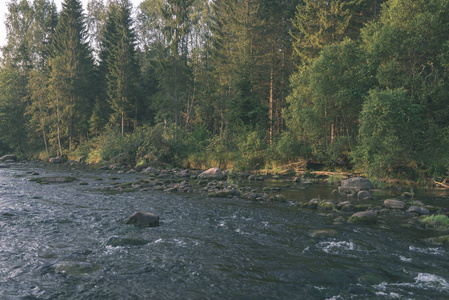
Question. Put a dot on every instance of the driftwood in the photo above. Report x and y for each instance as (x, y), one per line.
(443, 185)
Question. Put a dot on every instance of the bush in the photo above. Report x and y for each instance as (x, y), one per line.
(437, 221)
(389, 132)
(289, 148)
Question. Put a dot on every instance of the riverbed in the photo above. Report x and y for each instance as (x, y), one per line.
(69, 241)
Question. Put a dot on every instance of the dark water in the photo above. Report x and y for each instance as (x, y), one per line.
(69, 241)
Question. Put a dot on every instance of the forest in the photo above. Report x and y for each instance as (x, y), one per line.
(357, 85)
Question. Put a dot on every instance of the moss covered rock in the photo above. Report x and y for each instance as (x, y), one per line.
(363, 217)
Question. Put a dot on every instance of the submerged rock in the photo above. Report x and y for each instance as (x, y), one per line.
(143, 219)
(321, 233)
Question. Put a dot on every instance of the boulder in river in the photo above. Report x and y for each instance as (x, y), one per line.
(363, 217)
(8, 158)
(418, 210)
(350, 187)
(363, 195)
(212, 173)
(358, 183)
(143, 219)
(394, 204)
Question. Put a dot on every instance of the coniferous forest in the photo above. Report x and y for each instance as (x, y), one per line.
(244, 84)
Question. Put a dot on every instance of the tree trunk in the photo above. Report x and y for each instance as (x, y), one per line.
(58, 121)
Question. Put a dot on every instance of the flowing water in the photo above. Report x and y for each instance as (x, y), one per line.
(69, 241)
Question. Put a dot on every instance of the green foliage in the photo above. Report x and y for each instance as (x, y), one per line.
(390, 129)
(437, 221)
(288, 148)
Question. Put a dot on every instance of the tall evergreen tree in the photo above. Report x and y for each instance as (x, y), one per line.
(120, 63)
(71, 66)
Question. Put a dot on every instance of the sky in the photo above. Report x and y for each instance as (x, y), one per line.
(4, 10)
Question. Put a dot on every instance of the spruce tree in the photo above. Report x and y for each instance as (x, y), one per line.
(71, 74)
(120, 64)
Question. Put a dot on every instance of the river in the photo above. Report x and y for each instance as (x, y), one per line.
(69, 241)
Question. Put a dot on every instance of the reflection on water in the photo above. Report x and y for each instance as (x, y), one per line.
(69, 241)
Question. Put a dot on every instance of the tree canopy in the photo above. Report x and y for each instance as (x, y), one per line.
(349, 83)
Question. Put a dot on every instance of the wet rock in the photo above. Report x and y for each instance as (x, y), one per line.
(394, 204)
(252, 177)
(8, 158)
(345, 206)
(326, 205)
(322, 233)
(150, 170)
(363, 217)
(212, 173)
(358, 183)
(143, 219)
(362, 195)
(131, 171)
(418, 210)
(312, 204)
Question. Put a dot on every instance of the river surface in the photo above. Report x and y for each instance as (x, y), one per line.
(69, 241)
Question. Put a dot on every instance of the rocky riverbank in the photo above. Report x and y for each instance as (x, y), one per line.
(354, 201)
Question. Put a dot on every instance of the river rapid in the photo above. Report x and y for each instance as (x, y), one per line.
(70, 241)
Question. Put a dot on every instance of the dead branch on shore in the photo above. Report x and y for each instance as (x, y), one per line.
(445, 186)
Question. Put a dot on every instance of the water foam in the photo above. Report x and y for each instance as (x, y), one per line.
(336, 247)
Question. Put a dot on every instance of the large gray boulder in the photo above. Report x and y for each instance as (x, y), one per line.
(143, 219)
(350, 188)
(358, 183)
(212, 173)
